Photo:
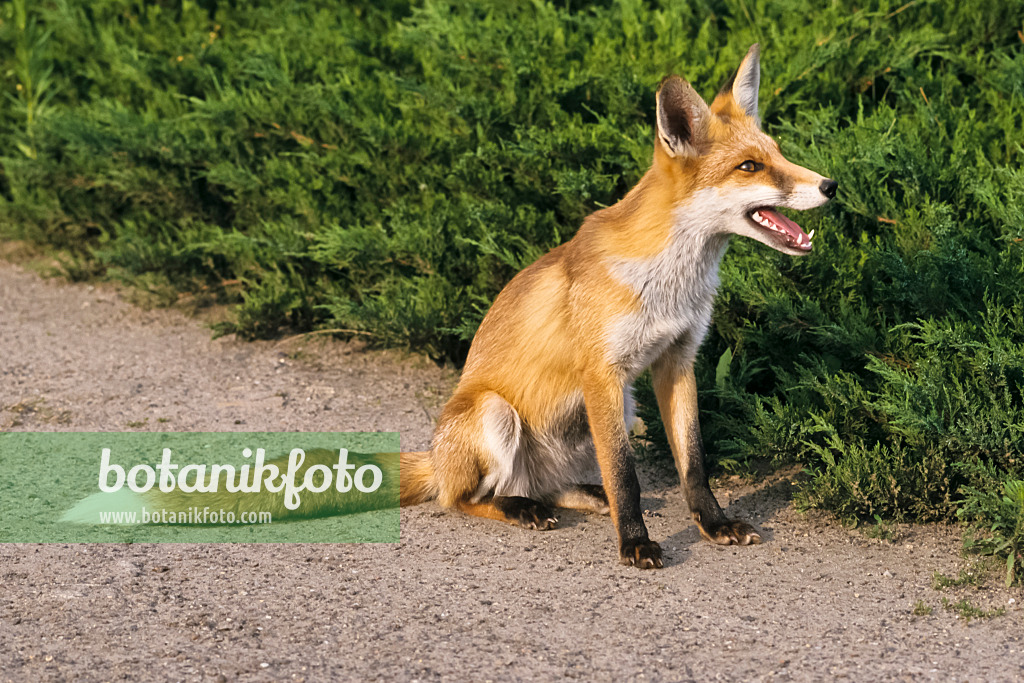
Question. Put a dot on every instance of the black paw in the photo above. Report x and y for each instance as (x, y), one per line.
(729, 532)
(526, 512)
(644, 554)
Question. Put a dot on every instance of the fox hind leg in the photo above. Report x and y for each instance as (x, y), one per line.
(484, 433)
(518, 510)
(584, 497)
(474, 447)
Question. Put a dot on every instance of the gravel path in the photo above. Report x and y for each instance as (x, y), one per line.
(459, 599)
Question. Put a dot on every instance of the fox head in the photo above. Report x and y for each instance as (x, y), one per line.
(718, 157)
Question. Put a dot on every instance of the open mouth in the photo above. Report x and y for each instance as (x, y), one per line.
(782, 229)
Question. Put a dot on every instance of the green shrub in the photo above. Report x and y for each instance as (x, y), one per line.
(994, 506)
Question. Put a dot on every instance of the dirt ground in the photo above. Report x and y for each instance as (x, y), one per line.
(459, 599)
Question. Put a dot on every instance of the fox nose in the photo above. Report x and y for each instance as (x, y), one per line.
(828, 187)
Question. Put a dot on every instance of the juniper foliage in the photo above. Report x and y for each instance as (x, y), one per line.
(386, 167)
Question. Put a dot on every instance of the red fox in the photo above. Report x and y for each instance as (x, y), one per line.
(546, 387)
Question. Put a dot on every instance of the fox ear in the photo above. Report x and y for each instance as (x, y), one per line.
(746, 81)
(682, 118)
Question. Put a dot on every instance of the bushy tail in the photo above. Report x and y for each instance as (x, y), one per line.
(417, 478)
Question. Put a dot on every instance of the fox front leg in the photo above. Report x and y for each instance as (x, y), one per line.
(676, 388)
(604, 401)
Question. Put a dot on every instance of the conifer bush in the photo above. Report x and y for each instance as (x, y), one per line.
(385, 167)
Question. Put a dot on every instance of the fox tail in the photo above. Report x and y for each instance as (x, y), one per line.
(417, 478)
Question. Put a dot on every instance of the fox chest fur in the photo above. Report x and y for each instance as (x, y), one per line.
(675, 292)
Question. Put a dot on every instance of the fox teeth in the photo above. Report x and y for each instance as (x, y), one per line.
(764, 222)
(811, 234)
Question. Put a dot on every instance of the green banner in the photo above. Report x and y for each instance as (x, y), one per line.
(179, 487)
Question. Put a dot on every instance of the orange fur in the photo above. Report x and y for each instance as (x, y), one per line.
(416, 478)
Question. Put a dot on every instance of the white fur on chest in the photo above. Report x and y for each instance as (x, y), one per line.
(676, 288)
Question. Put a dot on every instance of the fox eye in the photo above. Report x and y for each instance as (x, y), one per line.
(750, 166)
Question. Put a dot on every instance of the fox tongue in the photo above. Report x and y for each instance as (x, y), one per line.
(789, 226)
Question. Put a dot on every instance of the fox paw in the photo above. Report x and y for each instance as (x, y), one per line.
(729, 532)
(643, 554)
(526, 512)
